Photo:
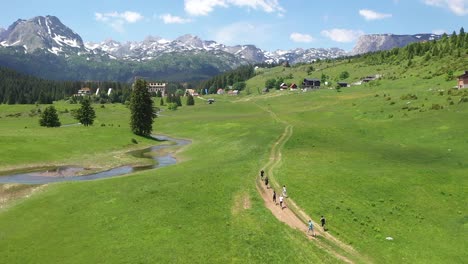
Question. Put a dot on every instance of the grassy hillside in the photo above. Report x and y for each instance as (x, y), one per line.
(206, 209)
(384, 159)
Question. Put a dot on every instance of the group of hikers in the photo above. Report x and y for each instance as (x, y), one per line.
(310, 229)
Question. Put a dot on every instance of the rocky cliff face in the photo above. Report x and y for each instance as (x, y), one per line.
(40, 32)
(376, 42)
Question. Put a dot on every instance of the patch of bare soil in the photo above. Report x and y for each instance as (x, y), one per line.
(12, 192)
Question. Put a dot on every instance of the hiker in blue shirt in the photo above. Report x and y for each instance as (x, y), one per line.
(311, 228)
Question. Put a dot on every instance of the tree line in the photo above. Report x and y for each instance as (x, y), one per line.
(17, 88)
(235, 78)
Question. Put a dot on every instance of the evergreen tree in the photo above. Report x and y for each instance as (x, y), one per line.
(161, 102)
(178, 101)
(141, 107)
(86, 113)
(49, 117)
(190, 100)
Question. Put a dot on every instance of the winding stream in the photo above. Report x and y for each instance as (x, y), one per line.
(67, 173)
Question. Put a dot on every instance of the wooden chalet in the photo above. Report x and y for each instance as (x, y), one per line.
(463, 81)
(311, 83)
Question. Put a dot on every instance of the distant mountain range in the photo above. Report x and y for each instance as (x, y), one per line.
(45, 47)
(376, 42)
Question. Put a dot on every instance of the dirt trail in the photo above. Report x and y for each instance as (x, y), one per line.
(292, 214)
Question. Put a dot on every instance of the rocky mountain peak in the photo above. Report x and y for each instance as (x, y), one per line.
(42, 33)
(150, 39)
(376, 42)
(190, 40)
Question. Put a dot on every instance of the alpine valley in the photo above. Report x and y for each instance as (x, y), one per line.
(44, 47)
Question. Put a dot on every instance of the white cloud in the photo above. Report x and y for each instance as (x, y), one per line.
(204, 7)
(342, 35)
(458, 7)
(244, 33)
(299, 37)
(372, 15)
(118, 20)
(170, 19)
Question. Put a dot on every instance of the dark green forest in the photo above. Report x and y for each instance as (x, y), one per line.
(234, 78)
(191, 66)
(17, 88)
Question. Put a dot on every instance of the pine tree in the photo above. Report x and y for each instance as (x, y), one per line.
(161, 102)
(178, 101)
(86, 113)
(141, 107)
(190, 100)
(49, 117)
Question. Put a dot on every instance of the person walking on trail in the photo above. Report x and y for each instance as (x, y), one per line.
(285, 194)
(274, 197)
(281, 198)
(323, 221)
(311, 228)
(266, 181)
(261, 174)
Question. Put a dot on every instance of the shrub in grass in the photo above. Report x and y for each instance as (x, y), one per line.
(409, 97)
(134, 141)
(172, 106)
(392, 103)
(436, 107)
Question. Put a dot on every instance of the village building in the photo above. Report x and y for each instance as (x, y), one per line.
(283, 86)
(191, 92)
(293, 87)
(233, 92)
(220, 91)
(84, 91)
(311, 83)
(463, 81)
(154, 87)
(370, 78)
(342, 84)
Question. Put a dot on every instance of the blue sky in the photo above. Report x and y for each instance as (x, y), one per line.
(268, 24)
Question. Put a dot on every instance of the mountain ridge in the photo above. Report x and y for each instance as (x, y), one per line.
(376, 42)
(50, 34)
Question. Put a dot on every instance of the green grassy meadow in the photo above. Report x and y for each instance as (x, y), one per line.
(205, 209)
(375, 164)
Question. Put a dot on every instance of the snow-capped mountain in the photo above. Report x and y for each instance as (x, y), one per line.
(152, 47)
(50, 35)
(46, 33)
